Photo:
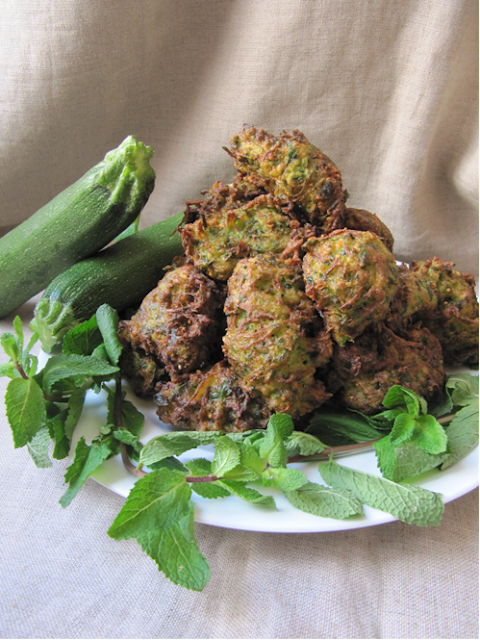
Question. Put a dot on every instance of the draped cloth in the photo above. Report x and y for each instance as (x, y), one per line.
(389, 91)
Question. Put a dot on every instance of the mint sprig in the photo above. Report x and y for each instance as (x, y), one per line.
(44, 407)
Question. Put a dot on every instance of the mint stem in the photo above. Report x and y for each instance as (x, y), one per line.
(335, 451)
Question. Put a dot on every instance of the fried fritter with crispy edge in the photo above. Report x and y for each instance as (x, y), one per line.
(275, 341)
(455, 320)
(142, 371)
(210, 400)
(363, 371)
(415, 297)
(217, 241)
(352, 278)
(295, 171)
(362, 220)
(180, 322)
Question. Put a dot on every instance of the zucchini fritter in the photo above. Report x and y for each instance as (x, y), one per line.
(365, 370)
(217, 241)
(179, 323)
(455, 320)
(362, 220)
(294, 171)
(143, 371)
(415, 298)
(352, 278)
(210, 400)
(275, 340)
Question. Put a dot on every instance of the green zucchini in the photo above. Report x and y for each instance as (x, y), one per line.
(77, 223)
(121, 275)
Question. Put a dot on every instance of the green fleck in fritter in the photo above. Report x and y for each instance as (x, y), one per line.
(352, 278)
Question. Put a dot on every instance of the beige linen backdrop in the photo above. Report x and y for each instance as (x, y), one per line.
(389, 90)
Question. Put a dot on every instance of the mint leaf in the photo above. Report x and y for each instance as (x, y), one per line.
(38, 448)
(128, 438)
(25, 406)
(132, 419)
(325, 502)
(304, 444)
(87, 459)
(199, 467)
(9, 370)
(156, 502)
(249, 457)
(407, 502)
(429, 435)
(247, 493)
(176, 552)
(406, 461)
(271, 447)
(463, 388)
(402, 430)
(405, 399)
(209, 490)
(173, 444)
(11, 347)
(462, 433)
(226, 456)
(284, 479)
(83, 339)
(349, 424)
(75, 368)
(107, 320)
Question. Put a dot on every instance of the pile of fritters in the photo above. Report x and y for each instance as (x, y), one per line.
(286, 299)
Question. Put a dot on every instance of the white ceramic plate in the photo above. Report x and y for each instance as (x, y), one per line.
(234, 513)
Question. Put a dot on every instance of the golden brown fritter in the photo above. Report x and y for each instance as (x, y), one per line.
(364, 371)
(142, 371)
(415, 298)
(215, 242)
(294, 171)
(210, 400)
(180, 322)
(352, 278)
(455, 320)
(275, 340)
(362, 220)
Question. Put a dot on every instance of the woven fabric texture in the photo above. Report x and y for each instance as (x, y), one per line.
(389, 91)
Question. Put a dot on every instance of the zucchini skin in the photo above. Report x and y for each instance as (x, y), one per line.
(121, 275)
(77, 223)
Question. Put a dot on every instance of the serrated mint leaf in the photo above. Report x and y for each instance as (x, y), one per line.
(156, 502)
(398, 396)
(247, 493)
(176, 552)
(242, 473)
(402, 430)
(226, 456)
(463, 388)
(271, 447)
(283, 423)
(87, 459)
(350, 424)
(304, 444)
(62, 422)
(38, 448)
(462, 433)
(64, 366)
(324, 501)
(83, 339)
(209, 490)
(18, 327)
(406, 461)
(10, 346)
(249, 457)
(132, 418)
(406, 502)
(25, 406)
(8, 370)
(128, 438)
(101, 352)
(199, 467)
(284, 479)
(429, 435)
(167, 445)
(107, 320)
